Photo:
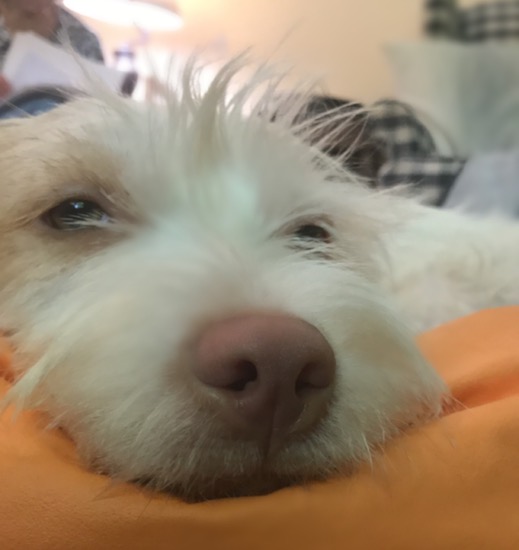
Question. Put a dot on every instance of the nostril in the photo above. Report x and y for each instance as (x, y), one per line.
(246, 372)
(303, 387)
(312, 378)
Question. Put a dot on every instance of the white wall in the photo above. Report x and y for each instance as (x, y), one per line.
(340, 40)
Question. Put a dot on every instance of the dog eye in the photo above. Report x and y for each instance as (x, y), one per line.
(75, 214)
(312, 232)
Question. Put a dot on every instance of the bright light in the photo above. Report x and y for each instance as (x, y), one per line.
(149, 16)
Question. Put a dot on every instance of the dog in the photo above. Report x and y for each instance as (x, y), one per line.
(211, 306)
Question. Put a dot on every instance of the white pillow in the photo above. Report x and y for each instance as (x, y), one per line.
(467, 95)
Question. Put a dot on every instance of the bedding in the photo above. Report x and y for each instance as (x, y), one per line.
(453, 484)
(386, 144)
(412, 155)
(485, 21)
(468, 93)
(488, 184)
(461, 85)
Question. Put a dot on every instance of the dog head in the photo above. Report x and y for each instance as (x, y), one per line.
(193, 294)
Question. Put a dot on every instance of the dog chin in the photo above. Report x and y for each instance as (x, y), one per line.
(245, 469)
(260, 477)
(258, 484)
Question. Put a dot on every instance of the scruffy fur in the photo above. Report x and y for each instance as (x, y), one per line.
(204, 204)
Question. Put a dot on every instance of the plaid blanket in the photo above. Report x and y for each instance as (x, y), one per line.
(386, 144)
(412, 157)
(482, 22)
(410, 153)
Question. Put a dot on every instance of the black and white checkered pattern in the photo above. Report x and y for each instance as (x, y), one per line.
(412, 158)
(480, 23)
(386, 144)
(395, 124)
(491, 21)
(435, 175)
(442, 19)
(487, 21)
(388, 147)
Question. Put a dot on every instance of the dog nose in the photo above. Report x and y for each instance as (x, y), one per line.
(269, 375)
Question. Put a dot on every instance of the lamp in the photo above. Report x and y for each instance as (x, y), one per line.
(146, 15)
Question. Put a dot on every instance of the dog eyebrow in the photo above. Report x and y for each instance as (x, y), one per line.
(63, 176)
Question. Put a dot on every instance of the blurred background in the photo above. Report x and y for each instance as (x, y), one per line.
(430, 87)
(339, 39)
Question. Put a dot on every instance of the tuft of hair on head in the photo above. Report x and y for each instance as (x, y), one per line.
(263, 91)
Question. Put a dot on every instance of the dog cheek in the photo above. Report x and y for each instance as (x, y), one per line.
(383, 382)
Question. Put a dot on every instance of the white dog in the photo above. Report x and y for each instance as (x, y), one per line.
(203, 301)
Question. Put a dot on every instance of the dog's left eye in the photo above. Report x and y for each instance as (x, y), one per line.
(75, 214)
(312, 232)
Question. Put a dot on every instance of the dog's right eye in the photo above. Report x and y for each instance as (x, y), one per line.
(75, 214)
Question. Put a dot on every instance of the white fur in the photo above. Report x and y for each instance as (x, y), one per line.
(205, 202)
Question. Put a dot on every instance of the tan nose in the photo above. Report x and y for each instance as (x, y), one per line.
(269, 375)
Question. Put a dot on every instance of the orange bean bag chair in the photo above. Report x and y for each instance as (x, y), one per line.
(453, 484)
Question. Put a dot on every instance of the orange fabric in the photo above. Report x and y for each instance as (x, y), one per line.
(453, 484)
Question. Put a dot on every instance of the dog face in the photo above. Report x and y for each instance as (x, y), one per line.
(193, 295)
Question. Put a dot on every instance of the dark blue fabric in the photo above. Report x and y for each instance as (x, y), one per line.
(32, 103)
